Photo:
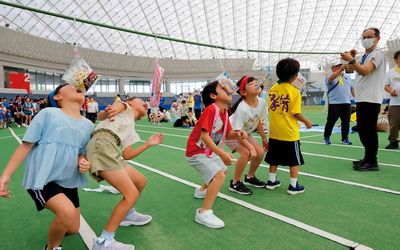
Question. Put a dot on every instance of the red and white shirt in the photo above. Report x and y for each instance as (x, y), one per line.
(205, 123)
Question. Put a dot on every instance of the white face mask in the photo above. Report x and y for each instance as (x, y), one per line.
(367, 43)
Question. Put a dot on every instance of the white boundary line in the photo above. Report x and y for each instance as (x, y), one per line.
(316, 176)
(266, 212)
(85, 230)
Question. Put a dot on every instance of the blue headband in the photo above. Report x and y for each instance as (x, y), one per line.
(52, 101)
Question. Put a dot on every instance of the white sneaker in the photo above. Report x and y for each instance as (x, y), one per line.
(208, 219)
(135, 219)
(200, 194)
(110, 245)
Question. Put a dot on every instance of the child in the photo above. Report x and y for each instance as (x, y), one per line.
(54, 148)
(200, 147)
(106, 164)
(154, 116)
(247, 115)
(176, 110)
(184, 114)
(27, 107)
(164, 116)
(191, 121)
(284, 104)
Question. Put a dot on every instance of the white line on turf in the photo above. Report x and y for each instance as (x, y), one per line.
(266, 212)
(85, 230)
(316, 176)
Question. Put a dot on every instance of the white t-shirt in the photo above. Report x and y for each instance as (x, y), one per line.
(176, 111)
(247, 118)
(93, 107)
(123, 126)
(370, 88)
(393, 80)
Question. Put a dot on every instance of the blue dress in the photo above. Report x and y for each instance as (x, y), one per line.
(59, 139)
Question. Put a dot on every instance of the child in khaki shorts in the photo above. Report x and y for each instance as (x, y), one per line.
(107, 164)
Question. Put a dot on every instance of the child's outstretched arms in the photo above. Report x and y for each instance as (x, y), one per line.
(16, 159)
(83, 164)
(130, 153)
(225, 157)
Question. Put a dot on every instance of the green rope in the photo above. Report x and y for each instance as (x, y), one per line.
(154, 36)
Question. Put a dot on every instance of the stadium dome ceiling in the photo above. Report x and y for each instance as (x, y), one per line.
(269, 25)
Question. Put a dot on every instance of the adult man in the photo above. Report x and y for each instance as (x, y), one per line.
(93, 108)
(339, 88)
(197, 103)
(162, 102)
(369, 85)
(392, 86)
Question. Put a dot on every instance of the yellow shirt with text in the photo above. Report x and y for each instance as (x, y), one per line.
(284, 101)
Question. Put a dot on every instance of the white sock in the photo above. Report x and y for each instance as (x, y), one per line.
(272, 177)
(293, 182)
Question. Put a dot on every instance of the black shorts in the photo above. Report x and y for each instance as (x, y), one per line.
(285, 153)
(50, 190)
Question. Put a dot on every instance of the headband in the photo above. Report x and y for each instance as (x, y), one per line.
(242, 83)
(52, 101)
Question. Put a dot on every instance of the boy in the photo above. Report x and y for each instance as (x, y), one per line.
(284, 106)
(203, 140)
(192, 119)
(184, 114)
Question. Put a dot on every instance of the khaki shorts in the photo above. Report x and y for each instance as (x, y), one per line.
(103, 153)
(234, 143)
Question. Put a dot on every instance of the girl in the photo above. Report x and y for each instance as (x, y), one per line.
(247, 114)
(27, 108)
(106, 164)
(54, 148)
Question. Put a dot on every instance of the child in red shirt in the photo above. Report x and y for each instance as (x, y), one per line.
(203, 153)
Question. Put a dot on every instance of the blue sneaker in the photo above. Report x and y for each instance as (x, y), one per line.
(295, 190)
(272, 185)
(346, 141)
(327, 141)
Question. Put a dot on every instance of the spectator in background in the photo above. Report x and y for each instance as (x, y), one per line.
(392, 86)
(176, 111)
(27, 108)
(164, 116)
(181, 98)
(93, 108)
(162, 102)
(340, 86)
(85, 106)
(117, 98)
(191, 122)
(369, 87)
(197, 103)
(190, 102)
(148, 109)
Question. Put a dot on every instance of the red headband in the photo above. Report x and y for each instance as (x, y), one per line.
(242, 83)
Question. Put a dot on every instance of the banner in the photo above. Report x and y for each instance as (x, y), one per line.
(156, 85)
(20, 81)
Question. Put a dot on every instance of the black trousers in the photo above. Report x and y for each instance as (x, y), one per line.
(197, 113)
(336, 111)
(367, 116)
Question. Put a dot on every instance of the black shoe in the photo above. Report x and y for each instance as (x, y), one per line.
(253, 181)
(357, 163)
(392, 145)
(367, 166)
(239, 188)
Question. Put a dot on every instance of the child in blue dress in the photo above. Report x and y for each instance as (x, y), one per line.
(54, 148)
